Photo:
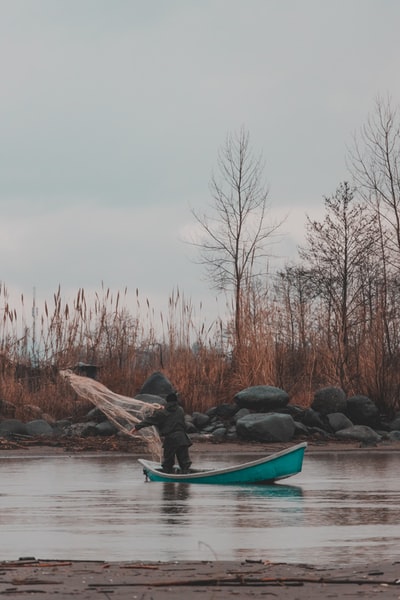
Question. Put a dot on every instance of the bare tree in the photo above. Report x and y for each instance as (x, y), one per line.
(235, 232)
(339, 254)
(375, 166)
(295, 288)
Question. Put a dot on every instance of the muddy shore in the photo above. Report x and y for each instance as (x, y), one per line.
(50, 447)
(186, 579)
(43, 577)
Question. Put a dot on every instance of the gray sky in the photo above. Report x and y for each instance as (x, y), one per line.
(112, 113)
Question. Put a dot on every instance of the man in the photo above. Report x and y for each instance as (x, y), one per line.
(170, 422)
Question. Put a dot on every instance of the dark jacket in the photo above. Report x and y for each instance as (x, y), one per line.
(170, 423)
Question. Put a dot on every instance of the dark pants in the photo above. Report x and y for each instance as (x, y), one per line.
(172, 449)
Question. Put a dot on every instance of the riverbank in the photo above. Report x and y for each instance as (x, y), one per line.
(198, 579)
(40, 446)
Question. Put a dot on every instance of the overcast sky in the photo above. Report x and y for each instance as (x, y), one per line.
(113, 111)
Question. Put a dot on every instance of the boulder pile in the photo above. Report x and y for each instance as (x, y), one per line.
(263, 413)
(259, 413)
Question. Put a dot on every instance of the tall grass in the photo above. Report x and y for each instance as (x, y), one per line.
(127, 343)
(282, 345)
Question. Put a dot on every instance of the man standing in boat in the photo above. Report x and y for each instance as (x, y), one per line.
(171, 425)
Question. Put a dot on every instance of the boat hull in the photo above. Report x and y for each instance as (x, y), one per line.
(265, 470)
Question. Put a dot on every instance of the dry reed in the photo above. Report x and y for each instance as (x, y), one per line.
(282, 344)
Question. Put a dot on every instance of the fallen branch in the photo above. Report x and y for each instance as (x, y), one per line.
(246, 581)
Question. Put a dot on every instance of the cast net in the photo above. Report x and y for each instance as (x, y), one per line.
(122, 411)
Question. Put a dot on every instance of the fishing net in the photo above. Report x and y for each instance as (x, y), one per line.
(122, 411)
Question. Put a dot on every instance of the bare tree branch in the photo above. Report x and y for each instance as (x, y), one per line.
(235, 235)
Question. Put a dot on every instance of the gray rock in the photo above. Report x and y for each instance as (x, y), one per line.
(262, 398)
(329, 400)
(394, 436)
(200, 420)
(39, 427)
(12, 426)
(272, 427)
(312, 418)
(105, 428)
(157, 384)
(190, 428)
(361, 433)
(219, 433)
(151, 399)
(96, 415)
(362, 410)
(301, 429)
(208, 429)
(318, 432)
(224, 411)
(395, 424)
(214, 425)
(241, 413)
(339, 421)
(297, 412)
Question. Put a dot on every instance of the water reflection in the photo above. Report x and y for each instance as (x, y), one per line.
(100, 508)
(175, 498)
(278, 490)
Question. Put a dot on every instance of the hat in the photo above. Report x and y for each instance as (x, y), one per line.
(172, 397)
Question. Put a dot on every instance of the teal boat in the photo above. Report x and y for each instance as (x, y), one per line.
(264, 470)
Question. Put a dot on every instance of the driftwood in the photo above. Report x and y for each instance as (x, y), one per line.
(249, 581)
(33, 562)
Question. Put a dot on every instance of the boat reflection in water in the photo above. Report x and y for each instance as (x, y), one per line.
(176, 496)
(276, 490)
(175, 501)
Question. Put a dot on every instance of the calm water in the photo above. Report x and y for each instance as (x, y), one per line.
(342, 506)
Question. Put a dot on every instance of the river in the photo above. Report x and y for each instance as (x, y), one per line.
(343, 506)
